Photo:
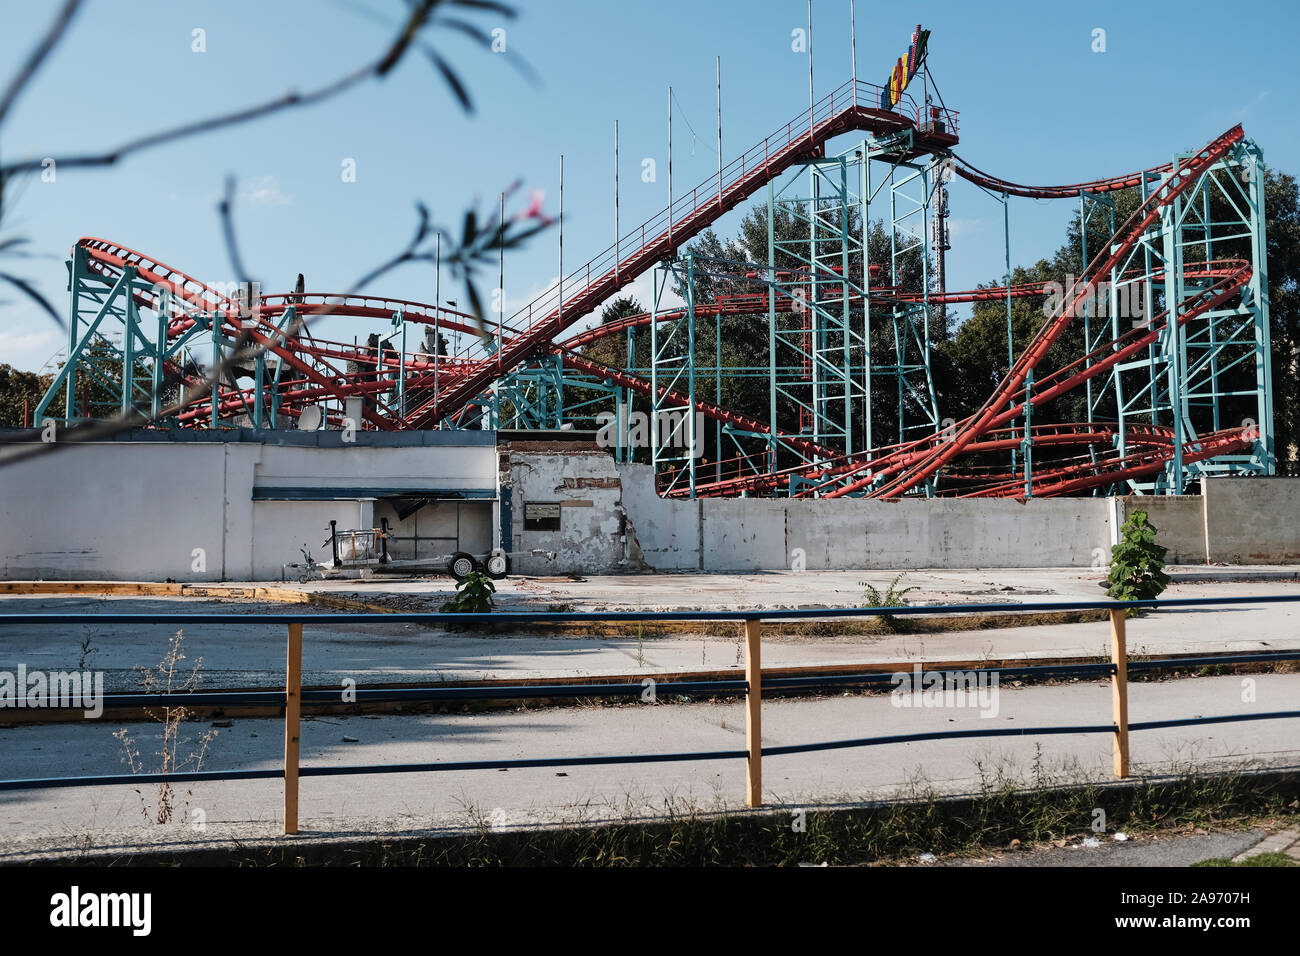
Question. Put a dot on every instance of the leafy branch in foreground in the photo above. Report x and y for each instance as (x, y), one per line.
(472, 250)
(421, 15)
(475, 247)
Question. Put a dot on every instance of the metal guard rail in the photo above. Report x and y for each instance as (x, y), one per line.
(751, 687)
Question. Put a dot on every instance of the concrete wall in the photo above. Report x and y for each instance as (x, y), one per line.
(229, 506)
(122, 511)
(959, 533)
(1252, 520)
(582, 479)
(850, 534)
(754, 534)
(743, 534)
(667, 530)
(238, 506)
(1234, 521)
(1179, 521)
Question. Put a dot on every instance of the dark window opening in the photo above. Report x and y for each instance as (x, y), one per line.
(542, 516)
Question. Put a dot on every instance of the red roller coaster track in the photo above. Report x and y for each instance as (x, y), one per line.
(532, 332)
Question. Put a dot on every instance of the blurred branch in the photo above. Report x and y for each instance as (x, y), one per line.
(37, 56)
(475, 247)
(420, 16)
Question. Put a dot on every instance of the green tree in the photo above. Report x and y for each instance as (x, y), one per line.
(745, 353)
(19, 394)
(974, 361)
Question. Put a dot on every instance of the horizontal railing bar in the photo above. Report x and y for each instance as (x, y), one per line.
(181, 776)
(541, 617)
(523, 763)
(937, 735)
(526, 690)
(207, 698)
(1022, 732)
(1212, 661)
(544, 762)
(1224, 719)
(511, 692)
(882, 677)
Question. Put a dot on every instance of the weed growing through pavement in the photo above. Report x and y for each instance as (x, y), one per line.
(891, 598)
(640, 635)
(86, 650)
(168, 678)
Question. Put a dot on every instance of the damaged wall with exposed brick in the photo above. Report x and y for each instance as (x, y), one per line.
(603, 518)
(567, 498)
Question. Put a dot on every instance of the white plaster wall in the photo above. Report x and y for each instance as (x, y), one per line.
(283, 527)
(415, 467)
(126, 510)
(137, 510)
(667, 529)
(588, 488)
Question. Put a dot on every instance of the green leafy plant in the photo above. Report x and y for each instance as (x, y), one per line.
(1137, 563)
(893, 597)
(473, 595)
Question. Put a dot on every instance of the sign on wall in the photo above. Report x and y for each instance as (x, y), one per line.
(542, 516)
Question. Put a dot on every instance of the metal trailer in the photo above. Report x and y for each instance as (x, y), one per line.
(368, 548)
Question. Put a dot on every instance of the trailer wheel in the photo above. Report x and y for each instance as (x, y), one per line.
(461, 565)
(497, 565)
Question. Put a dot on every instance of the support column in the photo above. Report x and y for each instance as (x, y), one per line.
(292, 718)
(754, 714)
(1119, 691)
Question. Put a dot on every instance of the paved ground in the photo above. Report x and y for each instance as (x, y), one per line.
(42, 820)
(1162, 849)
(1171, 848)
(809, 589)
(241, 655)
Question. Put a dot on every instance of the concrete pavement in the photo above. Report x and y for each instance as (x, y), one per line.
(38, 821)
(242, 655)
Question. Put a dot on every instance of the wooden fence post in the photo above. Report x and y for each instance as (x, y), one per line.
(1119, 689)
(292, 715)
(754, 714)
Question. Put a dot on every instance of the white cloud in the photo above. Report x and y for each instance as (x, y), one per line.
(1244, 111)
(964, 227)
(264, 191)
(29, 349)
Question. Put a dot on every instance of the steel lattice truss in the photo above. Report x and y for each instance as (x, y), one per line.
(1173, 379)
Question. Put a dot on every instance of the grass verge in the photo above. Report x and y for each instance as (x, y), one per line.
(867, 834)
(1263, 859)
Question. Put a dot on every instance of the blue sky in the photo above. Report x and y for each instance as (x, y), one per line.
(1036, 105)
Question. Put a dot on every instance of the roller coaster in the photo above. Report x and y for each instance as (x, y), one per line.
(1176, 393)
